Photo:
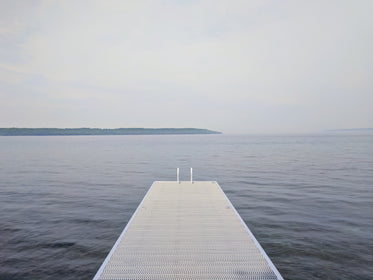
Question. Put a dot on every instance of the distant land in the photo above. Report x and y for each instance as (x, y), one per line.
(14, 131)
(351, 131)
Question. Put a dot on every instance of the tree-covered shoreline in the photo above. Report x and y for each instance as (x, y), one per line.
(14, 131)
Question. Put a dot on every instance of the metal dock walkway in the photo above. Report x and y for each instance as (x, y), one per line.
(186, 230)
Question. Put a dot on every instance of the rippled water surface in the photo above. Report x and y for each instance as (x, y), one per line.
(308, 199)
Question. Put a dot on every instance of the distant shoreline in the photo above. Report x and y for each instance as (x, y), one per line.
(350, 129)
(14, 131)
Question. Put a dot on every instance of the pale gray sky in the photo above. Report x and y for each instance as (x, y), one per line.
(234, 66)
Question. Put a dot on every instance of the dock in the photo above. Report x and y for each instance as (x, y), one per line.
(186, 230)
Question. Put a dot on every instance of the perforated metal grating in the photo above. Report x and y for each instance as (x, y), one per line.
(186, 231)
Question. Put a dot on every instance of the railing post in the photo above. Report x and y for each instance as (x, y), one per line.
(178, 178)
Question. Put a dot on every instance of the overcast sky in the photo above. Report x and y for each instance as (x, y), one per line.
(233, 66)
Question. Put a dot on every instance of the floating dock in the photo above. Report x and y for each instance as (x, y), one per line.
(186, 230)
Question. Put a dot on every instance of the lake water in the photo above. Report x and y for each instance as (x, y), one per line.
(64, 200)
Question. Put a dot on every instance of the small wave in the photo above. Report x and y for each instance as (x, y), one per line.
(60, 244)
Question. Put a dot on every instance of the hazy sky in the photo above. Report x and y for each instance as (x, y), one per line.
(234, 66)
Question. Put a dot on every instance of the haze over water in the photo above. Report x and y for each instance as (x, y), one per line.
(307, 199)
(237, 66)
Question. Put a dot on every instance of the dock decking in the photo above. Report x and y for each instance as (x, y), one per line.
(186, 230)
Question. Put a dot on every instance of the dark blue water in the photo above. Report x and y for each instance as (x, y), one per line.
(308, 199)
